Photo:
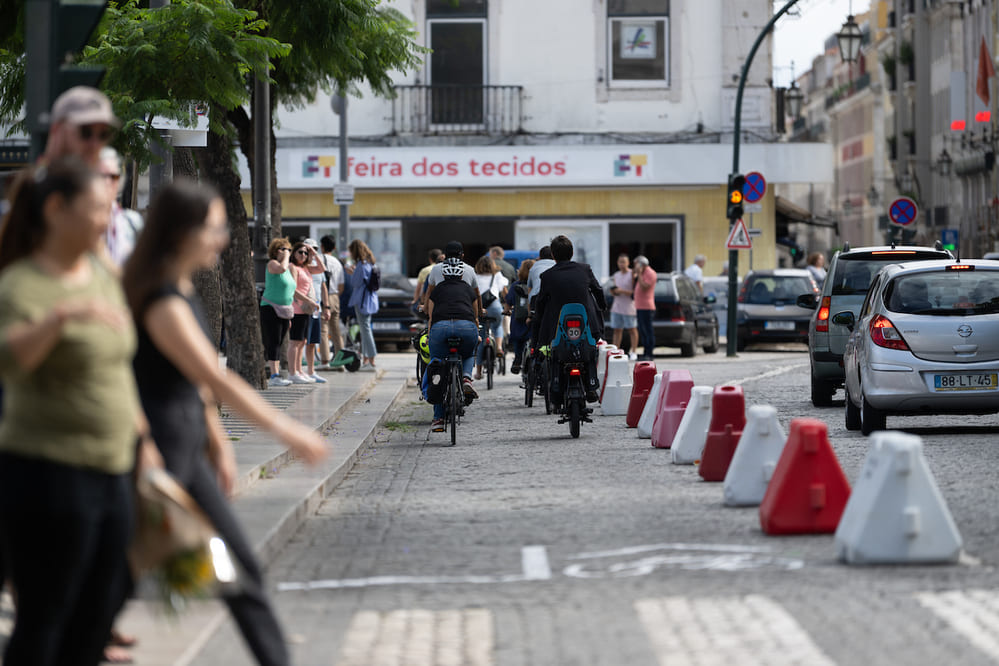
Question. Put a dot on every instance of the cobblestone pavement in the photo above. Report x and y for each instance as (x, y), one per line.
(523, 546)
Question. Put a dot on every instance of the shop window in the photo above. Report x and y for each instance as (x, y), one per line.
(638, 42)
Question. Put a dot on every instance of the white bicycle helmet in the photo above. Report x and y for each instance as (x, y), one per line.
(453, 269)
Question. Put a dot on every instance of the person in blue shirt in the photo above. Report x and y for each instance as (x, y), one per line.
(363, 300)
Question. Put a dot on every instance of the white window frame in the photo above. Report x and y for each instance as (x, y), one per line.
(637, 83)
(483, 25)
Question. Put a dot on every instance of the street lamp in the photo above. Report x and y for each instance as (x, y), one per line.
(944, 162)
(849, 38)
(794, 97)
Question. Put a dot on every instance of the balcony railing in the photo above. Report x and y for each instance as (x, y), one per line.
(456, 109)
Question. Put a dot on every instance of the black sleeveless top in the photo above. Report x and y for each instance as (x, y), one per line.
(172, 403)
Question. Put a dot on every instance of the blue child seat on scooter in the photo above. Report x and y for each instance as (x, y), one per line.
(561, 333)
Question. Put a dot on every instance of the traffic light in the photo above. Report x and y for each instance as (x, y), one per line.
(734, 199)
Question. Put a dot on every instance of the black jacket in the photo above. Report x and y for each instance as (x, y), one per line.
(567, 282)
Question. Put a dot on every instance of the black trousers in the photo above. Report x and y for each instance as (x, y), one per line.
(63, 535)
(178, 427)
(272, 330)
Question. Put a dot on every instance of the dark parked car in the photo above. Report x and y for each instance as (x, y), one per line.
(683, 318)
(395, 317)
(767, 310)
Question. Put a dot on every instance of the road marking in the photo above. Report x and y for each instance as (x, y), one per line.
(972, 613)
(726, 630)
(714, 557)
(765, 375)
(419, 637)
(534, 560)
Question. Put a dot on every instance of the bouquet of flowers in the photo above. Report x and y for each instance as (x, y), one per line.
(176, 544)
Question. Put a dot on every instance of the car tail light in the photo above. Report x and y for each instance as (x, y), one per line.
(742, 294)
(960, 267)
(675, 312)
(884, 334)
(822, 320)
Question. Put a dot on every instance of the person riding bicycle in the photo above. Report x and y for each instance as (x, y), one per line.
(453, 309)
(569, 282)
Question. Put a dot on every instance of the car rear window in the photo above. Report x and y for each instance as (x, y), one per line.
(775, 289)
(854, 272)
(945, 293)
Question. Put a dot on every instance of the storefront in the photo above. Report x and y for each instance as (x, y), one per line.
(664, 201)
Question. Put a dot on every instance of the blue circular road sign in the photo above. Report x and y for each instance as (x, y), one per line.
(903, 211)
(755, 187)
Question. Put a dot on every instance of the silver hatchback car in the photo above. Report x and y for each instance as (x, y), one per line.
(926, 341)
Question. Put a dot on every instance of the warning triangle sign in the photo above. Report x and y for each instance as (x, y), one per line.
(738, 238)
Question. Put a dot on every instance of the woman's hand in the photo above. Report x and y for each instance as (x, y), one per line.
(223, 458)
(148, 456)
(303, 442)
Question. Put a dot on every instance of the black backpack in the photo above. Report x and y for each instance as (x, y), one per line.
(520, 306)
(374, 282)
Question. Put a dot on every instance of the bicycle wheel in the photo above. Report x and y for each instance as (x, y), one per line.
(421, 367)
(528, 372)
(456, 397)
(489, 360)
(501, 363)
(575, 417)
(546, 385)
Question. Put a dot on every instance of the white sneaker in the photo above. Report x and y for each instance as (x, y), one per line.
(632, 356)
(366, 368)
(302, 379)
(277, 380)
(316, 378)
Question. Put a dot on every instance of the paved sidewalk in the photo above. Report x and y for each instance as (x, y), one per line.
(275, 493)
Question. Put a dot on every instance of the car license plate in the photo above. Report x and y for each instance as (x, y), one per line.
(778, 325)
(965, 382)
(384, 326)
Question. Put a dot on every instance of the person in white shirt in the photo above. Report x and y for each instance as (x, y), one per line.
(544, 262)
(696, 271)
(125, 224)
(492, 288)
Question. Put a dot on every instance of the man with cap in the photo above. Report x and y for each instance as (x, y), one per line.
(81, 123)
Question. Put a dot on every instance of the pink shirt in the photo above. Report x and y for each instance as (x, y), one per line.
(645, 290)
(623, 303)
(303, 286)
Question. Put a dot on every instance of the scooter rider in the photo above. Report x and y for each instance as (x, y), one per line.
(569, 282)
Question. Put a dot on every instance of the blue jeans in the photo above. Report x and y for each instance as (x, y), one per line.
(646, 334)
(368, 349)
(495, 310)
(453, 328)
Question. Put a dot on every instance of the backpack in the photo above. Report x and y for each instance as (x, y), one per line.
(374, 282)
(520, 307)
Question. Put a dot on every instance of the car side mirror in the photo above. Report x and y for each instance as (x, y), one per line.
(710, 299)
(845, 319)
(807, 301)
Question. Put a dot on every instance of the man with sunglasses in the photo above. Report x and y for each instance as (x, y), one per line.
(81, 123)
(126, 223)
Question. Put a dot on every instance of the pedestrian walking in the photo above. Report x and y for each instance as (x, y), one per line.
(66, 340)
(695, 272)
(176, 365)
(364, 300)
(817, 267)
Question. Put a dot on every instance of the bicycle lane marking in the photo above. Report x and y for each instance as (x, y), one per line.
(535, 566)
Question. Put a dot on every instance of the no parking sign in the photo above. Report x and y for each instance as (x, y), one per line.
(903, 211)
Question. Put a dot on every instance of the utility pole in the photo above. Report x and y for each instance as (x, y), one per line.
(733, 255)
(343, 193)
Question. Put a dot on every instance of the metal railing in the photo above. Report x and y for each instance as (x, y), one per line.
(457, 109)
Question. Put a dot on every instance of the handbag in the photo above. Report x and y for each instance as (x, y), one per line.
(175, 542)
(282, 311)
(488, 298)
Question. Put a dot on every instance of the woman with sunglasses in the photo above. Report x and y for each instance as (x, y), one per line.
(275, 306)
(304, 264)
(179, 381)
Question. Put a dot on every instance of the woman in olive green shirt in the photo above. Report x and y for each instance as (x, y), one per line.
(71, 419)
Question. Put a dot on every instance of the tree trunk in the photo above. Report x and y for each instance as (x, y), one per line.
(244, 347)
(208, 282)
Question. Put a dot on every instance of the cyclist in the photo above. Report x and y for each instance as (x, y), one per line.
(543, 263)
(516, 307)
(492, 287)
(453, 309)
(569, 282)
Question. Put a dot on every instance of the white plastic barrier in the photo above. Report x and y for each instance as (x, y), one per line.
(617, 389)
(602, 352)
(693, 430)
(896, 514)
(648, 417)
(755, 457)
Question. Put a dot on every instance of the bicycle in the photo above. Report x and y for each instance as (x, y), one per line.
(488, 349)
(454, 398)
(536, 371)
